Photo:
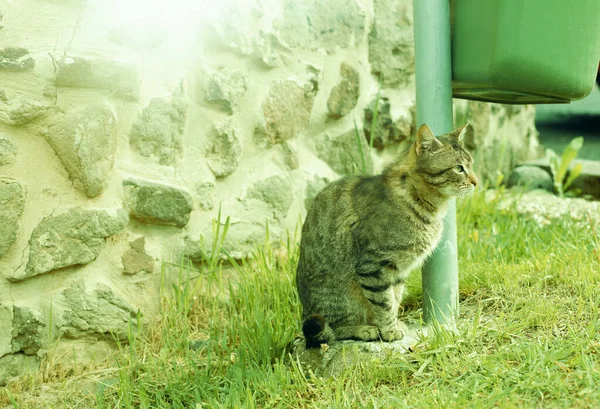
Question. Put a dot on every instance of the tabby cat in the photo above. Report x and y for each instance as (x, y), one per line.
(364, 234)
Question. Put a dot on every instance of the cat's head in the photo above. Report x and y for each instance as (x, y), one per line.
(444, 163)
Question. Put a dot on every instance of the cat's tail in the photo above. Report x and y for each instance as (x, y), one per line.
(317, 331)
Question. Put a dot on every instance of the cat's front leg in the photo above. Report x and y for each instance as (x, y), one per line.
(399, 330)
(384, 307)
(390, 327)
(382, 286)
(394, 332)
(399, 294)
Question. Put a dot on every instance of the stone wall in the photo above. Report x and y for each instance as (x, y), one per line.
(123, 131)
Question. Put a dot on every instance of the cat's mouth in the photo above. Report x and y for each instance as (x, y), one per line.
(464, 191)
(458, 191)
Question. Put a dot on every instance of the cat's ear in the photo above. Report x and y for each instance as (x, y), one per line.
(426, 140)
(459, 133)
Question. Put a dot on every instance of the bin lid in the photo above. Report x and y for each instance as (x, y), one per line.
(504, 96)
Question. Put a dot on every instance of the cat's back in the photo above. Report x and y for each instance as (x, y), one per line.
(332, 210)
(326, 234)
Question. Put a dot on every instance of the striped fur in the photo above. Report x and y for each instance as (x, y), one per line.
(363, 236)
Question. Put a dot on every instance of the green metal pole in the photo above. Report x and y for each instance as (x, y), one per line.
(434, 107)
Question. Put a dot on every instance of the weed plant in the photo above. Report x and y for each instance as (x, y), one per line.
(527, 336)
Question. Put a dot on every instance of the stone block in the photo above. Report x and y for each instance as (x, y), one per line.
(135, 260)
(343, 152)
(224, 149)
(229, 30)
(155, 203)
(275, 191)
(98, 312)
(21, 112)
(12, 203)
(205, 195)
(391, 43)
(6, 320)
(225, 87)
(387, 131)
(15, 59)
(8, 152)
(158, 131)
(72, 238)
(332, 360)
(85, 142)
(114, 76)
(317, 24)
(344, 95)
(16, 365)
(287, 110)
(531, 178)
(29, 331)
(588, 183)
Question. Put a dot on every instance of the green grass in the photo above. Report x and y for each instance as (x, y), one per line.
(528, 335)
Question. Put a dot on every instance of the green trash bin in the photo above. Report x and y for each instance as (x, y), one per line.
(524, 51)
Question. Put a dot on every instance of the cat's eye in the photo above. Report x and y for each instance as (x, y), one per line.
(459, 169)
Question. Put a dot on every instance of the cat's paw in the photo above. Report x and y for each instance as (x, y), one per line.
(393, 332)
(368, 333)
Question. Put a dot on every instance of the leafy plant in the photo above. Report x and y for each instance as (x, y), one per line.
(559, 166)
(212, 256)
(374, 119)
(189, 279)
(527, 337)
(363, 158)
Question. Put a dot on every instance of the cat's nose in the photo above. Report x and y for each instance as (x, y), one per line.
(473, 179)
